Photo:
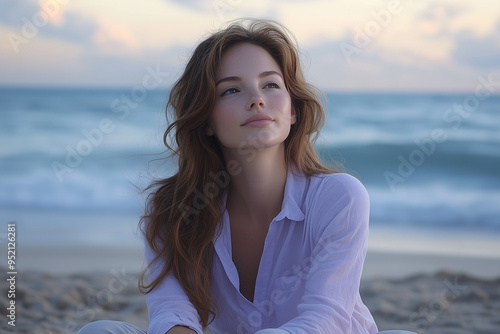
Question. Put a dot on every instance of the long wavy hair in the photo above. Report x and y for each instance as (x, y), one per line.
(181, 218)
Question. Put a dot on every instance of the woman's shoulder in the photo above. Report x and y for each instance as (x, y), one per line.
(338, 197)
(336, 185)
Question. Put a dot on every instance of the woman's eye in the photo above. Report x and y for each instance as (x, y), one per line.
(272, 85)
(230, 91)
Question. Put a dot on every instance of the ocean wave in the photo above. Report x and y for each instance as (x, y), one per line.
(384, 140)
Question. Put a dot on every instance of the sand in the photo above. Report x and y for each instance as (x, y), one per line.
(438, 303)
(62, 303)
(433, 291)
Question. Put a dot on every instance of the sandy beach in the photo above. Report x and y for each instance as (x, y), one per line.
(432, 291)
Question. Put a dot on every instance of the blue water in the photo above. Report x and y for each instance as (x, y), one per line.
(70, 160)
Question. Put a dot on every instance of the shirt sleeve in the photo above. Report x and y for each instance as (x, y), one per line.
(338, 215)
(168, 304)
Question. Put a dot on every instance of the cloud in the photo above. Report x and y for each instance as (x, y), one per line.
(13, 11)
(479, 52)
(448, 26)
(40, 13)
(200, 5)
(60, 64)
(129, 70)
(188, 3)
(381, 68)
(75, 29)
(226, 10)
(49, 19)
(440, 10)
(53, 21)
(105, 36)
(435, 18)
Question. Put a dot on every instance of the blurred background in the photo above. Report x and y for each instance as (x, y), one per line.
(413, 111)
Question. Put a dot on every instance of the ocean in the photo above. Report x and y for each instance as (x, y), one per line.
(72, 160)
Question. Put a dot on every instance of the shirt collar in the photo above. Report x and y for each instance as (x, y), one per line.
(293, 195)
(294, 190)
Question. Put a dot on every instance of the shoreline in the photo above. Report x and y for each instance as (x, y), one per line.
(435, 241)
(390, 265)
(392, 253)
(378, 264)
(402, 252)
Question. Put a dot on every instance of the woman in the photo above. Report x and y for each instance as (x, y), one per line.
(252, 234)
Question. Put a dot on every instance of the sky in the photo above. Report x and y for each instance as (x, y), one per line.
(346, 45)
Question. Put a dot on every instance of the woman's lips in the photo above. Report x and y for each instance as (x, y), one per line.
(258, 120)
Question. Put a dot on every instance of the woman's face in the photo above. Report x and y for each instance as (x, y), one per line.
(253, 109)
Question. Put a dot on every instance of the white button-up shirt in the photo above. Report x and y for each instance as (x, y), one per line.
(309, 272)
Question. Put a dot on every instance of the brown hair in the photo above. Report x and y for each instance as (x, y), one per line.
(179, 224)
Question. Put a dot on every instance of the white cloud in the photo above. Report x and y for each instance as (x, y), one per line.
(114, 38)
(478, 51)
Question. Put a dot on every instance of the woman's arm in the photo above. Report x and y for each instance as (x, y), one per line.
(338, 216)
(169, 307)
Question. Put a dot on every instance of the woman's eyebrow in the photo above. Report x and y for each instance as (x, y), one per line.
(261, 75)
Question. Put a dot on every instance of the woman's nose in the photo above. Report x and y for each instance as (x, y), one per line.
(256, 102)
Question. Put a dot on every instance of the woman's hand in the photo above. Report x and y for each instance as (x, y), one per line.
(180, 330)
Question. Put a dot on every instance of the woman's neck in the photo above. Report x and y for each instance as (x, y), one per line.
(257, 188)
